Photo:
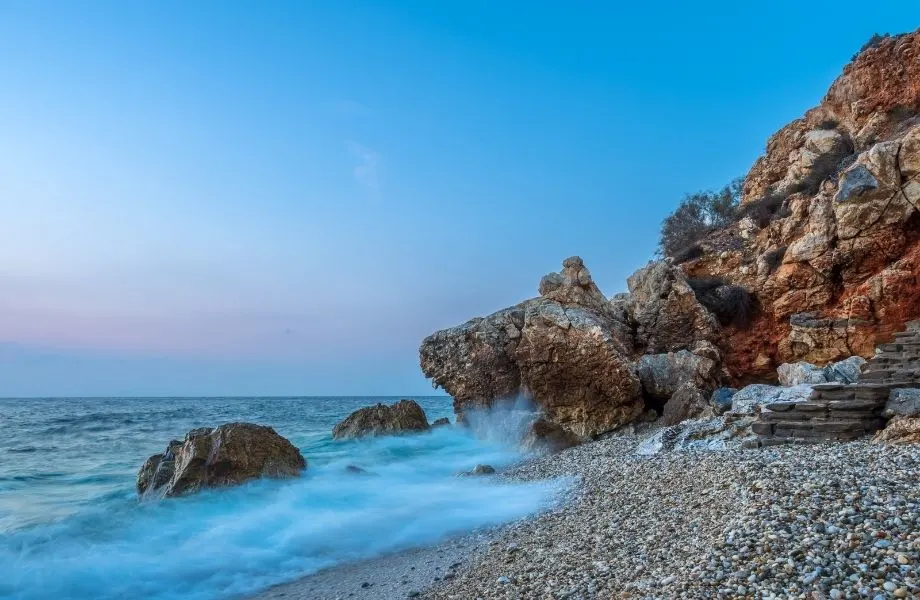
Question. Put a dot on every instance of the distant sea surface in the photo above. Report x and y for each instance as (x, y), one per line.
(71, 526)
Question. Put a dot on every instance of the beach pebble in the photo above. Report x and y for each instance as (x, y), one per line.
(779, 522)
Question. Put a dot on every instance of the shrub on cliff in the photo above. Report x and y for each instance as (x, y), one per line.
(764, 210)
(872, 42)
(689, 253)
(697, 215)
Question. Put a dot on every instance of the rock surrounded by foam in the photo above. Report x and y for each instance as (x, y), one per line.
(403, 417)
(230, 454)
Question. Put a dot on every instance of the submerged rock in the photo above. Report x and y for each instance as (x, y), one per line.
(356, 470)
(442, 422)
(227, 455)
(481, 470)
(405, 416)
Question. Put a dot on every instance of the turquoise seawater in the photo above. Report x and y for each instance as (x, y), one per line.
(71, 526)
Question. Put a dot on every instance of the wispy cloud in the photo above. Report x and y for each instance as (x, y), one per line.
(367, 172)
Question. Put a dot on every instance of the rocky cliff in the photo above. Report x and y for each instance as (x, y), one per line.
(829, 242)
(589, 363)
(820, 264)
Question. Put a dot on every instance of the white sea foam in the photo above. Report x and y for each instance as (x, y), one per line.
(235, 541)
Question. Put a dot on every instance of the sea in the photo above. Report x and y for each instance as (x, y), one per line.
(72, 526)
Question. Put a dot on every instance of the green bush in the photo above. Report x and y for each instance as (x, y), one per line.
(687, 254)
(872, 42)
(764, 210)
(697, 215)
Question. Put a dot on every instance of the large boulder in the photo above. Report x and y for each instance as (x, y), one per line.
(567, 350)
(231, 454)
(684, 380)
(900, 430)
(666, 311)
(903, 402)
(576, 369)
(663, 374)
(800, 372)
(542, 435)
(688, 402)
(844, 371)
(474, 362)
(721, 399)
(750, 399)
(406, 416)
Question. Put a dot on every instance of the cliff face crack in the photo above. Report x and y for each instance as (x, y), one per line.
(878, 218)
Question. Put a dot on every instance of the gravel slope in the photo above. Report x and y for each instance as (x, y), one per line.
(824, 521)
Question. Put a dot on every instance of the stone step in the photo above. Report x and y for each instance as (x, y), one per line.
(890, 357)
(878, 375)
(783, 417)
(894, 347)
(857, 404)
(889, 360)
(828, 396)
(904, 376)
(898, 345)
(873, 391)
(878, 369)
(842, 412)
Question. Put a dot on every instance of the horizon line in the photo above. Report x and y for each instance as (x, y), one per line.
(230, 397)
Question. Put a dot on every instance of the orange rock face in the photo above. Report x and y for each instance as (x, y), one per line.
(836, 269)
(828, 244)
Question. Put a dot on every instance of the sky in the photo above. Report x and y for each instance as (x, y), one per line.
(284, 198)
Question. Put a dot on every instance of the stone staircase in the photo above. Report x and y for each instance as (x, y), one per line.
(897, 361)
(840, 412)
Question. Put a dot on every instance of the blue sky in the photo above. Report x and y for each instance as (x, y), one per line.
(284, 198)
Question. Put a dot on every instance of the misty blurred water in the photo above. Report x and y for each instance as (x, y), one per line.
(71, 525)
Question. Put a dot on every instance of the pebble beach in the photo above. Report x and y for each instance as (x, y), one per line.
(816, 522)
(802, 521)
